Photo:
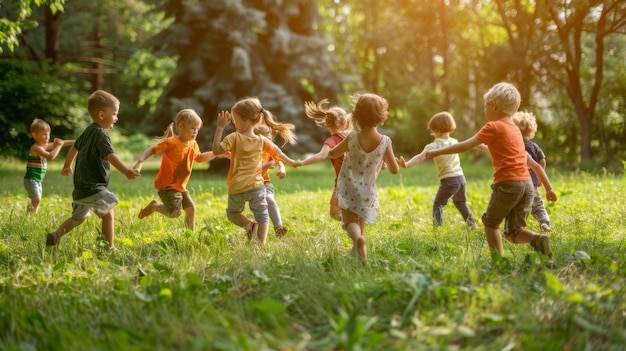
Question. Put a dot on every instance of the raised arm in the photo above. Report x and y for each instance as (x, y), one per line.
(223, 119)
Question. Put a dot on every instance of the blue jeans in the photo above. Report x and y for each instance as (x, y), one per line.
(455, 188)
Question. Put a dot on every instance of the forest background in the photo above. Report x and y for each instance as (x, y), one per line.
(567, 58)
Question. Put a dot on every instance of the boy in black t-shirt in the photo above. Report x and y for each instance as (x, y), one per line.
(94, 154)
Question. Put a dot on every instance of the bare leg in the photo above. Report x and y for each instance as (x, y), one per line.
(355, 232)
(190, 217)
(262, 232)
(33, 206)
(148, 210)
(65, 227)
(494, 239)
(239, 219)
(522, 236)
(108, 227)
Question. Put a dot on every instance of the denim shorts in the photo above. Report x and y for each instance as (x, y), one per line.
(33, 188)
(101, 204)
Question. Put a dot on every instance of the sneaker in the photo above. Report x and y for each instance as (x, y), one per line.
(541, 244)
(51, 239)
(281, 231)
(250, 228)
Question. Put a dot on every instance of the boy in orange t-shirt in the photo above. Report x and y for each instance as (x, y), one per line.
(179, 153)
(513, 191)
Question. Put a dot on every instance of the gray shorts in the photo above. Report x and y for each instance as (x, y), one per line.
(101, 204)
(175, 200)
(33, 188)
(256, 200)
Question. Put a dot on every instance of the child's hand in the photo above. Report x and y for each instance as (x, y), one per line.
(132, 174)
(401, 161)
(281, 173)
(58, 142)
(429, 155)
(297, 164)
(66, 171)
(551, 195)
(269, 165)
(223, 119)
(224, 155)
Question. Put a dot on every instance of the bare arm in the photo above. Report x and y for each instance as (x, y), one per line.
(318, 157)
(419, 158)
(287, 160)
(282, 172)
(42, 151)
(131, 174)
(543, 178)
(223, 119)
(390, 160)
(144, 156)
(482, 147)
(205, 156)
(454, 149)
(339, 150)
(69, 159)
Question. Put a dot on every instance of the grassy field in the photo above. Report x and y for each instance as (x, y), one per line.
(424, 289)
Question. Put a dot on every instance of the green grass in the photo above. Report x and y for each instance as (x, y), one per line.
(168, 288)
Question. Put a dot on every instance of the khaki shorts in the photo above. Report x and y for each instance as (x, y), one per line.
(510, 201)
(175, 200)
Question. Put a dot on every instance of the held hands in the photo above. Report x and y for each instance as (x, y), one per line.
(401, 161)
(58, 142)
(223, 119)
(132, 174)
(297, 164)
(429, 155)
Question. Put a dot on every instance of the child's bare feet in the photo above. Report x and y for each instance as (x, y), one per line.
(148, 210)
(546, 227)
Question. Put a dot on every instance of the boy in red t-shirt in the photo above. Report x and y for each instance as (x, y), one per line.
(513, 191)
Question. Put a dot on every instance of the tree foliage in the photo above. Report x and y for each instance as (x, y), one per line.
(229, 49)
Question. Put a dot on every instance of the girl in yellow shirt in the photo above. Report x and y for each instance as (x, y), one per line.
(245, 174)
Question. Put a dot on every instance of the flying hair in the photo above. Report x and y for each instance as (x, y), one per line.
(334, 117)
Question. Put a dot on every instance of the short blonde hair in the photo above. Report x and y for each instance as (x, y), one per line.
(99, 100)
(183, 116)
(526, 122)
(442, 122)
(506, 97)
(39, 125)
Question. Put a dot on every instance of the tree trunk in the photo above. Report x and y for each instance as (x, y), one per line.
(52, 34)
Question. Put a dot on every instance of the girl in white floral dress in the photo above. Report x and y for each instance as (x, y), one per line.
(366, 152)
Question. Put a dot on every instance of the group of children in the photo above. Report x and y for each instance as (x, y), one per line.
(357, 157)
